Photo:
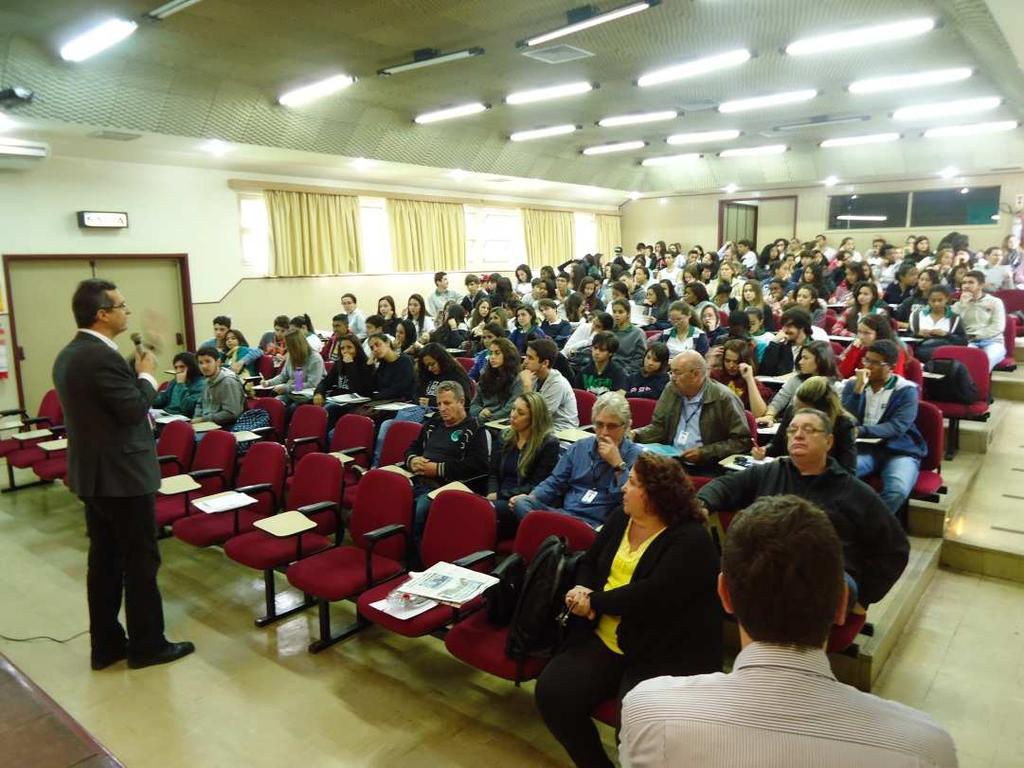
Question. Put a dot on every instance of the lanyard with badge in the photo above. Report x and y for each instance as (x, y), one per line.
(591, 495)
(688, 420)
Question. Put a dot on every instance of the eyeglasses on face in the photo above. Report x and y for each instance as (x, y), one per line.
(803, 429)
(608, 425)
(122, 305)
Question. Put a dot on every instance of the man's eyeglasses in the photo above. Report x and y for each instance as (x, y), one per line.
(608, 425)
(122, 305)
(677, 374)
(804, 430)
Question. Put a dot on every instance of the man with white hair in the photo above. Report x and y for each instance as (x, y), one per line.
(587, 482)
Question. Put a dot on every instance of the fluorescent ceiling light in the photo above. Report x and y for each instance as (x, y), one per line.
(216, 147)
(622, 146)
(19, 148)
(830, 181)
(458, 174)
(947, 108)
(766, 149)
(543, 133)
(772, 100)
(860, 217)
(703, 136)
(669, 159)
(551, 92)
(855, 38)
(318, 90)
(817, 122)
(638, 118)
(6, 124)
(730, 189)
(915, 80)
(634, 195)
(695, 68)
(972, 129)
(587, 23)
(949, 172)
(447, 114)
(428, 58)
(853, 141)
(171, 8)
(363, 164)
(99, 38)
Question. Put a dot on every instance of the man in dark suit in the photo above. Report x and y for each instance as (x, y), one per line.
(112, 468)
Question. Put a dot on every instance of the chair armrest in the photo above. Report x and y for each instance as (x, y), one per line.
(478, 479)
(198, 474)
(477, 557)
(59, 429)
(254, 488)
(14, 411)
(319, 506)
(500, 569)
(263, 431)
(355, 450)
(169, 459)
(37, 420)
(384, 532)
(304, 440)
(377, 535)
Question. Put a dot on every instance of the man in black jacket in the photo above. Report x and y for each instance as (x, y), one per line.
(451, 446)
(112, 467)
(875, 548)
(780, 356)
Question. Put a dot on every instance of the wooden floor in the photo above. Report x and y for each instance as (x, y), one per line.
(255, 697)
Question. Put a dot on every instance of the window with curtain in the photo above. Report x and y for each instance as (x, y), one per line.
(376, 238)
(494, 239)
(586, 233)
(550, 236)
(255, 230)
(427, 236)
(609, 233)
(313, 233)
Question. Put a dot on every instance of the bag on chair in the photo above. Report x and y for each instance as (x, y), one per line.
(955, 386)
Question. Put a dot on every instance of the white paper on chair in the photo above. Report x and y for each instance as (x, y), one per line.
(450, 584)
(391, 406)
(403, 613)
(171, 417)
(348, 399)
(222, 502)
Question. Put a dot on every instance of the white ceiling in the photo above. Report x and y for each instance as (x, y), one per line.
(215, 69)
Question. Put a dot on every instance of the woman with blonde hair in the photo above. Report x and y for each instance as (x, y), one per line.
(303, 369)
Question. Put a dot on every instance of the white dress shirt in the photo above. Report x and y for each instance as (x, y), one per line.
(780, 707)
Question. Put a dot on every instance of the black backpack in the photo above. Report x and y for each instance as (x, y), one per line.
(535, 629)
(955, 386)
(501, 598)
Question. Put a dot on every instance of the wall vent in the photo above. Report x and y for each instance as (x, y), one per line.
(114, 135)
(557, 54)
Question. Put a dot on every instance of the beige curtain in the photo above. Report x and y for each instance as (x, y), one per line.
(550, 236)
(313, 234)
(609, 233)
(426, 236)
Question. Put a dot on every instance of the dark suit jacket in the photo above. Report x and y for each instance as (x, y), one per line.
(111, 451)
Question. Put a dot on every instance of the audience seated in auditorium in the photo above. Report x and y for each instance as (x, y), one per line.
(632, 341)
(221, 325)
(652, 379)
(818, 393)
(554, 327)
(524, 455)
(711, 322)
(643, 606)
(350, 375)
(697, 415)
(387, 310)
(875, 547)
(870, 328)
(782, 577)
(499, 384)
(303, 369)
(684, 332)
(185, 391)
(526, 328)
(239, 356)
(866, 301)
(926, 278)
(433, 366)
(604, 372)
(223, 396)
(904, 286)
(340, 329)
(441, 295)
(588, 480)
(406, 340)
(885, 405)
(998, 274)
(984, 318)
(540, 375)
(474, 294)
(780, 356)
(304, 324)
(737, 373)
(450, 331)
(272, 342)
(356, 317)
(451, 446)
(416, 310)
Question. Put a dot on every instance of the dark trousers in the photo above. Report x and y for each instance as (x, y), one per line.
(572, 684)
(123, 557)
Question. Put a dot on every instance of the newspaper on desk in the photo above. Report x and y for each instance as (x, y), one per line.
(448, 584)
(351, 398)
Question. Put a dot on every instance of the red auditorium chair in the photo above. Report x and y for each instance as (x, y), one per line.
(929, 478)
(1013, 301)
(316, 493)
(307, 432)
(175, 448)
(262, 477)
(642, 409)
(53, 467)
(266, 367)
(380, 525)
(213, 468)
(652, 335)
(353, 435)
(585, 406)
(1009, 363)
(608, 712)
(460, 529)
(400, 436)
(913, 371)
(481, 645)
(977, 365)
(466, 362)
(276, 411)
(24, 454)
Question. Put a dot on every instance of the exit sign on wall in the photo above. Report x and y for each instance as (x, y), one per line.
(102, 220)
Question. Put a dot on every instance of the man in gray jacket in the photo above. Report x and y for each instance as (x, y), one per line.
(984, 318)
(539, 375)
(223, 397)
(697, 415)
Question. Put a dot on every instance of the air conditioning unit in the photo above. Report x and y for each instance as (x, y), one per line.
(19, 149)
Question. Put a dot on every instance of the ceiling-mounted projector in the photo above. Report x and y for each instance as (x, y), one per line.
(15, 96)
(19, 149)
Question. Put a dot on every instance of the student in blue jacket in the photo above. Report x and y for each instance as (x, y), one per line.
(885, 406)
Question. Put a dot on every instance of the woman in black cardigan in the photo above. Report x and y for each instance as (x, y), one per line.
(645, 605)
(527, 454)
(350, 375)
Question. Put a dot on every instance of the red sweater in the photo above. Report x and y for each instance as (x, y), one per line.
(852, 357)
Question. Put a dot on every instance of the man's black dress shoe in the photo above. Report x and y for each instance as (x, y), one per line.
(102, 662)
(167, 654)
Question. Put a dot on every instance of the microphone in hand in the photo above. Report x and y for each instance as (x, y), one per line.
(145, 361)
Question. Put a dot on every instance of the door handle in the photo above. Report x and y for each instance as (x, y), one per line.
(179, 339)
(21, 353)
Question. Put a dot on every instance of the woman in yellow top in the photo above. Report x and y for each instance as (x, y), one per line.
(644, 605)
